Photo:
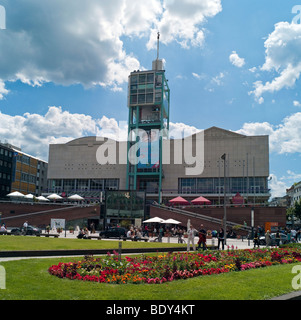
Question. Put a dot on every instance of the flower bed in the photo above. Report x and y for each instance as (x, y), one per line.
(172, 266)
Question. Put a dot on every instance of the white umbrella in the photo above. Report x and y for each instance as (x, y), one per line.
(156, 219)
(172, 221)
(41, 198)
(76, 197)
(16, 194)
(54, 197)
(29, 196)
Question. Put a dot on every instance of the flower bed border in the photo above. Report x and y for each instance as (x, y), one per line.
(111, 269)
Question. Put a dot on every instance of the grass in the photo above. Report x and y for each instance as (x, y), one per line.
(29, 280)
(20, 243)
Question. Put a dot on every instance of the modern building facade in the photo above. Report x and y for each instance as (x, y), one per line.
(22, 172)
(155, 162)
(74, 168)
(293, 194)
(6, 170)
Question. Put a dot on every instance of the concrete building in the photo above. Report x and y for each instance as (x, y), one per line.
(80, 167)
(294, 194)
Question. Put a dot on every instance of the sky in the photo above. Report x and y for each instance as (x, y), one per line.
(232, 64)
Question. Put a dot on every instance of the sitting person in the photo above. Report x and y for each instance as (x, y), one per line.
(81, 234)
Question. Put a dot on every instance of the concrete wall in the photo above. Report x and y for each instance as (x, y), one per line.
(28, 212)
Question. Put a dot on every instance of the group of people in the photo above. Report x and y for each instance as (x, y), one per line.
(292, 235)
(202, 234)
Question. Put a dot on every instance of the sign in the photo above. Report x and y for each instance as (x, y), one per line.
(58, 223)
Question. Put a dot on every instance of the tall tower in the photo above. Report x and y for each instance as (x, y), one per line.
(148, 125)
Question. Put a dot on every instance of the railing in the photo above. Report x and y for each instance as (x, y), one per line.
(202, 217)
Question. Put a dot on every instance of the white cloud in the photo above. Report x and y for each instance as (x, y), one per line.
(181, 21)
(283, 56)
(82, 42)
(297, 103)
(218, 79)
(3, 90)
(34, 132)
(278, 187)
(236, 60)
(284, 138)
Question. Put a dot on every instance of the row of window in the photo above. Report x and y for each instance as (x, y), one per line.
(61, 185)
(5, 164)
(6, 153)
(216, 185)
(5, 176)
(25, 177)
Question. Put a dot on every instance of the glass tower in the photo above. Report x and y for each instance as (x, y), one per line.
(148, 125)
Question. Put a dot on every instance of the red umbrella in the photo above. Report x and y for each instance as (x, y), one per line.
(238, 199)
(179, 200)
(201, 200)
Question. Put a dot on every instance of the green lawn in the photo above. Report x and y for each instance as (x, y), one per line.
(20, 243)
(29, 280)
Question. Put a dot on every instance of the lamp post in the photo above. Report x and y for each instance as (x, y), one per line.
(225, 208)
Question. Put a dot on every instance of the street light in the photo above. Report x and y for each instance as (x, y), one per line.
(225, 208)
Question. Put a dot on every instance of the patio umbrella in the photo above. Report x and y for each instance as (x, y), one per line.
(76, 197)
(29, 196)
(41, 198)
(54, 196)
(154, 220)
(179, 200)
(238, 199)
(16, 194)
(172, 221)
(201, 200)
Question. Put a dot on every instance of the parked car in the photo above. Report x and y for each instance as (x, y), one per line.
(29, 232)
(113, 233)
(283, 239)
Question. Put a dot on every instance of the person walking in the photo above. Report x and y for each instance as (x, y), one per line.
(256, 240)
(202, 238)
(267, 238)
(221, 238)
(191, 234)
(277, 238)
(25, 226)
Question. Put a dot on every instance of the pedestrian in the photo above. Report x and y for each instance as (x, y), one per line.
(202, 238)
(191, 234)
(277, 238)
(221, 238)
(268, 238)
(256, 239)
(161, 231)
(25, 226)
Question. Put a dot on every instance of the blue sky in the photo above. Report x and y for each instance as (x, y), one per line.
(232, 64)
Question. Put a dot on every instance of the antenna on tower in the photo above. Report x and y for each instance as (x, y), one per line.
(158, 43)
